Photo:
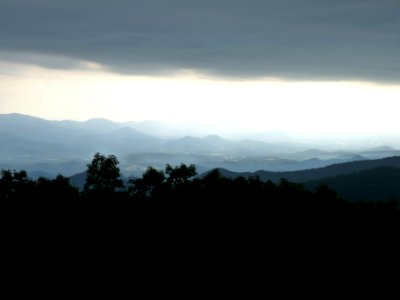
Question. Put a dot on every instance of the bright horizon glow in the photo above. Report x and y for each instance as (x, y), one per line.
(312, 109)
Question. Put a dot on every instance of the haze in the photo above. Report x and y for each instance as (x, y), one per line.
(306, 68)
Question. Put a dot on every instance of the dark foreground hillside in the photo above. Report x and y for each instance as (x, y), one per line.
(377, 184)
(367, 180)
(321, 173)
(170, 202)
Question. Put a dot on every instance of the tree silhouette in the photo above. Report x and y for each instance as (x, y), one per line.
(58, 189)
(15, 185)
(180, 175)
(6, 184)
(102, 176)
(148, 185)
(244, 205)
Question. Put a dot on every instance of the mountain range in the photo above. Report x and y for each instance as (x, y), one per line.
(45, 148)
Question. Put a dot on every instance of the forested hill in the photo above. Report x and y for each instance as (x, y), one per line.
(320, 173)
(174, 200)
(375, 184)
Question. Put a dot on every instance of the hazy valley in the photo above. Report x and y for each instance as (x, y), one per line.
(46, 148)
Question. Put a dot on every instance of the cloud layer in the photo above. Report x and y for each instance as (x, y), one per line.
(294, 39)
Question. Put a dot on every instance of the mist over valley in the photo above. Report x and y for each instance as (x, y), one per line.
(46, 148)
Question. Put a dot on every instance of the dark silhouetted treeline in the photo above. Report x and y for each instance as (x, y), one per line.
(174, 196)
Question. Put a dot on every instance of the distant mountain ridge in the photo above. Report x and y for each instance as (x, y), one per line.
(30, 143)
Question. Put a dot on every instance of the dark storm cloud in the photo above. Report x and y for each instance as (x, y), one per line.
(303, 39)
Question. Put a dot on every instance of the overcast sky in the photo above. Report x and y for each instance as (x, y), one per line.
(220, 49)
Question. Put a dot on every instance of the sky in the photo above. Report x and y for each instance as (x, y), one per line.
(308, 67)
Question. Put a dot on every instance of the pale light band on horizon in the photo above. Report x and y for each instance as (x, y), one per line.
(301, 107)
